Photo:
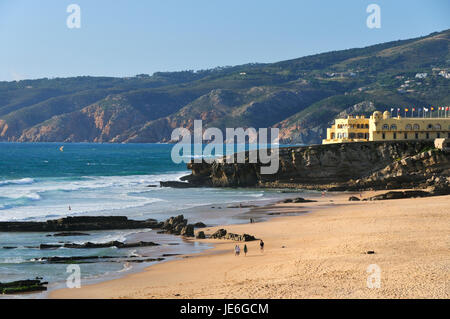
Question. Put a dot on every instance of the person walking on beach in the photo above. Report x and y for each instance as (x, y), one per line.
(261, 246)
(237, 250)
(245, 250)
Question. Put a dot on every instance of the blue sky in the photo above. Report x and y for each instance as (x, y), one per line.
(125, 38)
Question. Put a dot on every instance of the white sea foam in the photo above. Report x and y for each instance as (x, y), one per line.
(12, 260)
(27, 199)
(22, 181)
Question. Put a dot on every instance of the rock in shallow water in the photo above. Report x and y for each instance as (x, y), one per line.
(22, 286)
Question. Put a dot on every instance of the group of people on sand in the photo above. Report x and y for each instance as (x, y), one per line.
(237, 248)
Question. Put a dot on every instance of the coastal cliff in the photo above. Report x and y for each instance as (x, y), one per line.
(369, 165)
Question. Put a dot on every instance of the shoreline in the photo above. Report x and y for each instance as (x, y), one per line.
(230, 212)
(227, 276)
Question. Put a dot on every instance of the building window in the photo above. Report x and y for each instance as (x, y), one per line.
(438, 135)
(437, 126)
(430, 126)
(393, 127)
(448, 135)
(417, 136)
(395, 136)
(416, 127)
(384, 136)
(408, 127)
(406, 136)
(385, 127)
(332, 136)
(366, 126)
(428, 135)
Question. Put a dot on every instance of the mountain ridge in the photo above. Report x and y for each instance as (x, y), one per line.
(300, 96)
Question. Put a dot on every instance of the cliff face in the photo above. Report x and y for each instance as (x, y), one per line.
(334, 166)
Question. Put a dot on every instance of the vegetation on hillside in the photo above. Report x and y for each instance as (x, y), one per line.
(300, 96)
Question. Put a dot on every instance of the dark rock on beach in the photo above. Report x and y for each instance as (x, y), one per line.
(200, 235)
(49, 246)
(80, 223)
(400, 195)
(187, 231)
(302, 200)
(175, 184)
(219, 234)
(238, 237)
(73, 259)
(146, 260)
(68, 234)
(353, 199)
(178, 226)
(117, 244)
(242, 206)
(298, 200)
(223, 234)
(22, 286)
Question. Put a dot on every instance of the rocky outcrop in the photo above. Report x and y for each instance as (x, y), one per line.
(175, 184)
(298, 200)
(400, 195)
(223, 234)
(71, 259)
(426, 169)
(200, 235)
(178, 226)
(346, 166)
(87, 245)
(23, 286)
(69, 234)
(116, 244)
(81, 223)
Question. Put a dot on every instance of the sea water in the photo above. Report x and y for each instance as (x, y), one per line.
(41, 181)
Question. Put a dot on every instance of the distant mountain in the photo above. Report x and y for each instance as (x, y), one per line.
(300, 96)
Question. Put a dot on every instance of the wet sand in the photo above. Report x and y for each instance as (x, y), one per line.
(319, 253)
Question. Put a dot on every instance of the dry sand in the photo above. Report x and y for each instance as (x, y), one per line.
(321, 254)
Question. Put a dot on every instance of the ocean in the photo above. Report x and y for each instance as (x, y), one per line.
(41, 181)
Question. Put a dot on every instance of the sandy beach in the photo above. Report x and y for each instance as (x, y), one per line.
(319, 254)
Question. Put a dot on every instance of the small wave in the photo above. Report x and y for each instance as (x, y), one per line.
(126, 267)
(33, 196)
(12, 260)
(23, 181)
(23, 200)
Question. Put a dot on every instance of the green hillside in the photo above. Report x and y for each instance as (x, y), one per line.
(300, 96)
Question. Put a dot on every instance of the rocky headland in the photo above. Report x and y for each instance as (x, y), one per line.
(337, 167)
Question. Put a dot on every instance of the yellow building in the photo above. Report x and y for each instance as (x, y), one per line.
(383, 127)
